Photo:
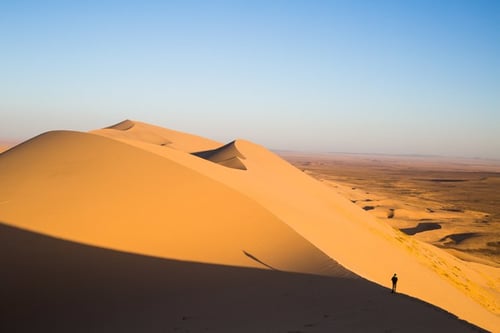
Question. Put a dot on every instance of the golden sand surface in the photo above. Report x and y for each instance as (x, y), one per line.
(152, 192)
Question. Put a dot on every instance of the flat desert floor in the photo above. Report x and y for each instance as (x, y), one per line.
(453, 204)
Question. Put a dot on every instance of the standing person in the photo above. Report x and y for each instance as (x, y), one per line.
(394, 280)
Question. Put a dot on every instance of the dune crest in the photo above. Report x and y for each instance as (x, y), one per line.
(148, 190)
(122, 126)
(135, 132)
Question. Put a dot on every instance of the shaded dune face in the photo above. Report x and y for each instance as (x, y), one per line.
(227, 155)
(51, 285)
(97, 191)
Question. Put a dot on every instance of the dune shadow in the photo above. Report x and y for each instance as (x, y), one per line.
(228, 156)
(53, 285)
(459, 238)
(421, 227)
(258, 260)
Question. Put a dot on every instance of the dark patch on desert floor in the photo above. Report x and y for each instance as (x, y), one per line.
(421, 227)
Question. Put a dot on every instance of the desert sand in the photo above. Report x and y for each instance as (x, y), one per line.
(135, 225)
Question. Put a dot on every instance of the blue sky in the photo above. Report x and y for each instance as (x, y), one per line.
(398, 77)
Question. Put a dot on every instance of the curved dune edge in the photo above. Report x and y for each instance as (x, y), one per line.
(227, 155)
(122, 126)
(89, 171)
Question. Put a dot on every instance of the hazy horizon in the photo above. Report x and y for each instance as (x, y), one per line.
(372, 77)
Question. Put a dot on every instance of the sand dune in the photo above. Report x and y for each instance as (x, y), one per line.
(98, 191)
(143, 189)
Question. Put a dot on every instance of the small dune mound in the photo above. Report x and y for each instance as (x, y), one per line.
(227, 155)
(421, 227)
(123, 125)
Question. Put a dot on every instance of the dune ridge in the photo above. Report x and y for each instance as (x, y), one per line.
(122, 126)
(180, 200)
(139, 132)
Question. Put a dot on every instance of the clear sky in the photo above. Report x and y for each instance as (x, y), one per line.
(399, 77)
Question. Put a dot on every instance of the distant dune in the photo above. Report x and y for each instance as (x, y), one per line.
(184, 199)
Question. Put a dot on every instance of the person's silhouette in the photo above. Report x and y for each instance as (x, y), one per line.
(394, 280)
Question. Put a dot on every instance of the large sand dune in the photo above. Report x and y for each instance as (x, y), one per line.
(143, 189)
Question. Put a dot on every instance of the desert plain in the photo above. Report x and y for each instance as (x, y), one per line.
(139, 228)
(452, 203)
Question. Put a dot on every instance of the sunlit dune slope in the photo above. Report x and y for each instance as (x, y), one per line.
(98, 191)
(144, 189)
